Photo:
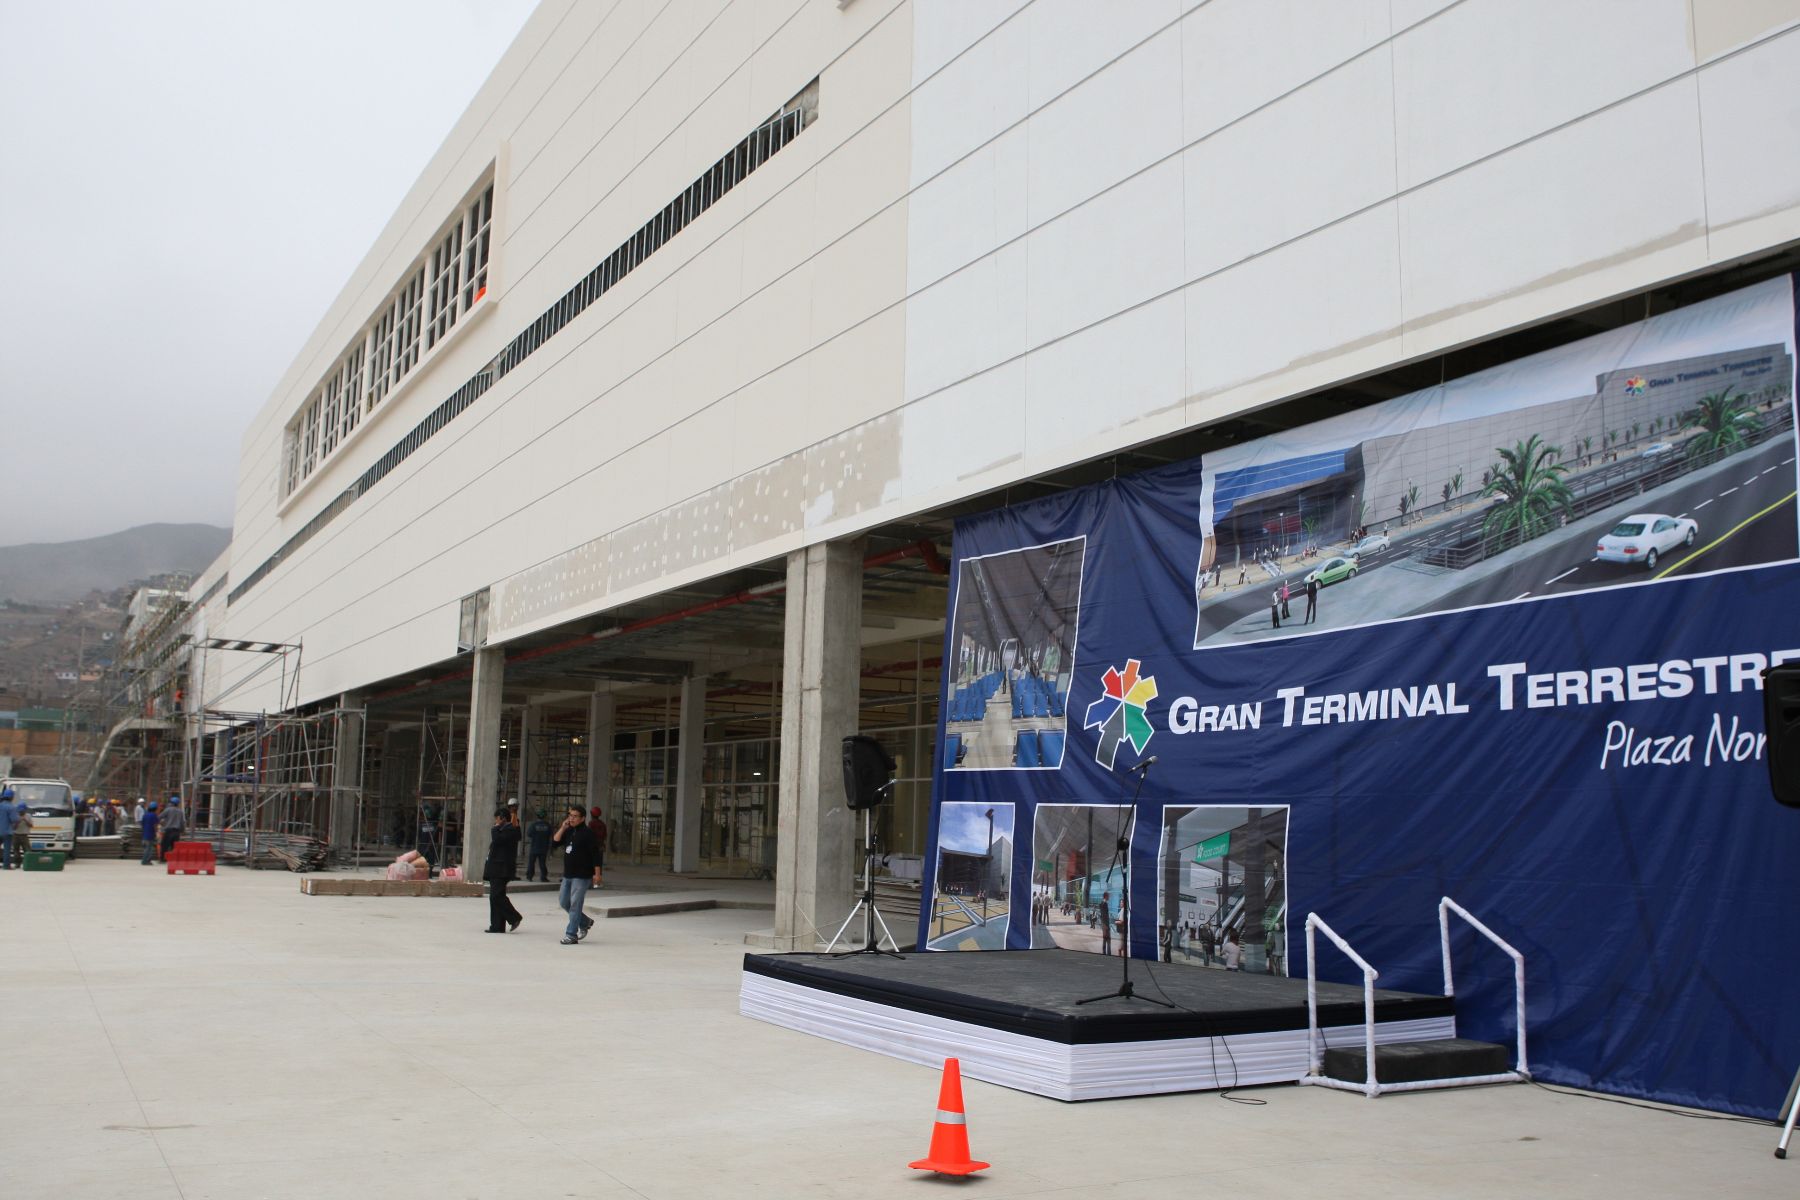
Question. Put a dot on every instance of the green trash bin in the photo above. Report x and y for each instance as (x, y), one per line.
(44, 860)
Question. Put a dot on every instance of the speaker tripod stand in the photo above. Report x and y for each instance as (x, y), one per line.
(865, 903)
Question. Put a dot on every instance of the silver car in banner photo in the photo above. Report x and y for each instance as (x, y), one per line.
(1644, 538)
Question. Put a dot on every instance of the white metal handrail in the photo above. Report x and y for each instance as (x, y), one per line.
(1446, 906)
(1370, 974)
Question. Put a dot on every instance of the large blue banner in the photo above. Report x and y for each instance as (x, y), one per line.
(1499, 641)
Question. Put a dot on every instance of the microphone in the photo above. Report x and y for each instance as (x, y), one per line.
(1143, 766)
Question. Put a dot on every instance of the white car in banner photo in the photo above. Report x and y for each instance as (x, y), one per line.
(1644, 538)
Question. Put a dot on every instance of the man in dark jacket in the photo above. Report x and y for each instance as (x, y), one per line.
(149, 831)
(581, 870)
(502, 857)
(537, 836)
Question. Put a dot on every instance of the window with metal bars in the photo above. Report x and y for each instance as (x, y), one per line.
(446, 284)
(291, 475)
(309, 439)
(353, 382)
(477, 228)
(328, 420)
(411, 325)
(381, 355)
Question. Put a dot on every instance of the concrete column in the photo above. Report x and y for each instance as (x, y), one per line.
(528, 723)
(690, 763)
(820, 691)
(481, 779)
(217, 767)
(346, 771)
(599, 748)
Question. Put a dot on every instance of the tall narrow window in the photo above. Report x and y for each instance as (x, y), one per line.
(446, 292)
(353, 383)
(410, 326)
(328, 420)
(381, 353)
(309, 439)
(293, 461)
(477, 227)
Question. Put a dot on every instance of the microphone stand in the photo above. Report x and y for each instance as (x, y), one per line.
(1124, 990)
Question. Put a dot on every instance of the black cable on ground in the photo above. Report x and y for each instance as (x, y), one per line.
(1213, 1043)
(1673, 1112)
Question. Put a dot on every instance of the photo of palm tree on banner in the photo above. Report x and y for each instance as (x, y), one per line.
(1528, 487)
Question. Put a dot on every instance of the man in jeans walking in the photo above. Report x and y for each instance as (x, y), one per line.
(581, 870)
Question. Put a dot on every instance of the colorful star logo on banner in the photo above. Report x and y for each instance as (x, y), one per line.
(1635, 385)
(1119, 714)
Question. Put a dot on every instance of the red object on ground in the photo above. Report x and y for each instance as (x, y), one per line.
(192, 858)
(949, 1153)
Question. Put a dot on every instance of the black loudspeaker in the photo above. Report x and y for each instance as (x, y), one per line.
(867, 772)
(1781, 720)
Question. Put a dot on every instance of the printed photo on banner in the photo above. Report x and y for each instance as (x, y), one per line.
(1078, 877)
(969, 901)
(1221, 888)
(1013, 647)
(1660, 450)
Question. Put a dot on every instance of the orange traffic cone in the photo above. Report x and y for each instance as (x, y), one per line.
(950, 1135)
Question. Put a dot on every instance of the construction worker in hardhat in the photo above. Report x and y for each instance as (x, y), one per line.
(512, 809)
(172, 825)
(147, 823)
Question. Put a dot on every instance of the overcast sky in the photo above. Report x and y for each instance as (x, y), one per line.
(185, 186)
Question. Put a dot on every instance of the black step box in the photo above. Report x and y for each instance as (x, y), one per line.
(1415, 1062)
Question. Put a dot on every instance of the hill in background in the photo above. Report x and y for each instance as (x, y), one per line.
(61, 572)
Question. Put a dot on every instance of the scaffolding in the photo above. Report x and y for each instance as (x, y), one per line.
(556, 767)
(417, 803)
(278, 789)
(140, 702)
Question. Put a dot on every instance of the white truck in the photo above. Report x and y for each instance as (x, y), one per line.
(51, 803)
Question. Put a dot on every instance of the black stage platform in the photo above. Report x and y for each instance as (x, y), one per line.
(1012, 1017)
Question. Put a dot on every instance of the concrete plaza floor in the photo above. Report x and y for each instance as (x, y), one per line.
(230, 1038)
